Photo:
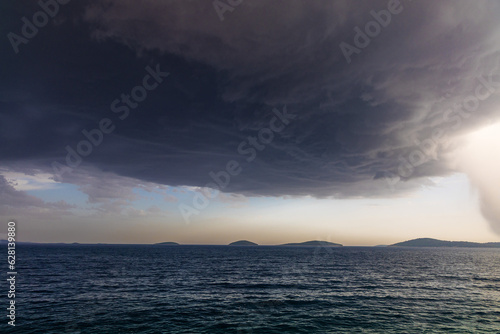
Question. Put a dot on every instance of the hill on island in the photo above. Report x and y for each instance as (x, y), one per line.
(429, 242)
(243, 243)
(314, 243)
(168, 243)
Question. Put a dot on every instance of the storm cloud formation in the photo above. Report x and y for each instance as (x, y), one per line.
(431, 73)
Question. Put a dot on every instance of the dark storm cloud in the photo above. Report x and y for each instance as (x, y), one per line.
(354, 123)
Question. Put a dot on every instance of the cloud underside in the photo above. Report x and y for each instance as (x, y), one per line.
(374, 126)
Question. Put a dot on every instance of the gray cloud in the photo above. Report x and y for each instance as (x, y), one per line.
(354, 121)
(13, 201)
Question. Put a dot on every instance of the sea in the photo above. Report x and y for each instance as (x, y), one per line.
(259, 289)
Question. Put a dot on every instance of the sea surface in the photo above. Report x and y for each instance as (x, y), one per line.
(264, 289)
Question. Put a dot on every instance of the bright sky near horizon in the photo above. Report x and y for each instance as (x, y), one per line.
(446, 209)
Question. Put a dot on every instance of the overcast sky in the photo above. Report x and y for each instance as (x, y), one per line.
(204, 122)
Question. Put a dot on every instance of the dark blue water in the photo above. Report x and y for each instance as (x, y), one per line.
(220, 289)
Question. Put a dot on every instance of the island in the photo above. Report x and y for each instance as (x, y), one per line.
(429, 242)
(168, 243)
(243, 243)
(314, 243)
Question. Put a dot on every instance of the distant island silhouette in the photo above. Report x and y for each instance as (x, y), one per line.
(313, 243)
(429, 242)
(420, 242)
(243, 243)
